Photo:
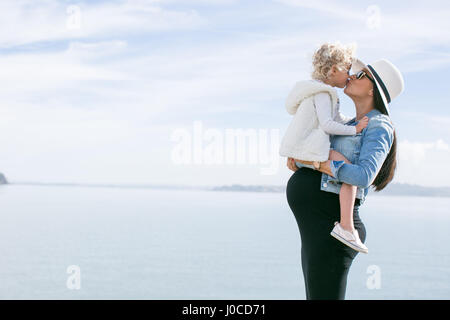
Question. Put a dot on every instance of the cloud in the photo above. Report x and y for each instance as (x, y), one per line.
(50, 20)
(423, 162)
(336, 10)
(80, 104)
(204, 2)
(404, 34)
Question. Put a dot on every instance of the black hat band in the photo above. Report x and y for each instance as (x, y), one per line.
(377, 77)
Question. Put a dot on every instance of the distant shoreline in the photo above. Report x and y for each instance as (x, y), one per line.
(394, 189)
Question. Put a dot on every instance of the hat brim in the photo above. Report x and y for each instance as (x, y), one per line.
(357, 66)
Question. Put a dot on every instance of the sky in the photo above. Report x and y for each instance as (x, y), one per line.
(152, 92)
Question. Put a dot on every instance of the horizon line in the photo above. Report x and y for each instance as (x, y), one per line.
(179, 186)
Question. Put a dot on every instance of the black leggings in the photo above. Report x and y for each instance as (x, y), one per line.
(325, 260)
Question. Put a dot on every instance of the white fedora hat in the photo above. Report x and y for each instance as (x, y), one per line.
(388, 78)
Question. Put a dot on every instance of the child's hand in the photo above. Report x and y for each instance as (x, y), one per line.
(362, 124)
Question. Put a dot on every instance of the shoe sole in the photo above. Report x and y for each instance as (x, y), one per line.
(351, 245)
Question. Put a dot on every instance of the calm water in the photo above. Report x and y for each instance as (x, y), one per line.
(158, 244)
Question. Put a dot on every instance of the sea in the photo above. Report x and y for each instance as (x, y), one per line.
(74, 242)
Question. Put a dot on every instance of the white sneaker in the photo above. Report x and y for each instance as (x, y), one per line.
(348, 238)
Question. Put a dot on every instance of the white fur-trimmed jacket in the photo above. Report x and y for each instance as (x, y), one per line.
(304, 138)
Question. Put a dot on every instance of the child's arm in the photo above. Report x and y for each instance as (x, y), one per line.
(342, 118)
(322, 101)
(359, 126)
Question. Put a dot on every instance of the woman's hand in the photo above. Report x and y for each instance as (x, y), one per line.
(291, 164)
(324, 166)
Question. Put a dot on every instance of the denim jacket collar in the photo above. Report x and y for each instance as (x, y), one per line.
(372, 113)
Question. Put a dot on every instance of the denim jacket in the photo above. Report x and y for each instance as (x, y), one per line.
(366, 151)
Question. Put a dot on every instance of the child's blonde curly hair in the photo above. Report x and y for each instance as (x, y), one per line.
(330, 54)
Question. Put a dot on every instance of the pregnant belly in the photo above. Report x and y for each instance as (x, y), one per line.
(305, 197)
(316, 211)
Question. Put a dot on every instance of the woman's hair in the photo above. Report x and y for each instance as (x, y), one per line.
(330, 54)
(387, 171)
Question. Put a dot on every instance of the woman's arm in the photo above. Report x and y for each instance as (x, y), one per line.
(375, 146)
(323, 166)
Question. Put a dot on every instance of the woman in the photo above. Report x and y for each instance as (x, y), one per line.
(370, 161)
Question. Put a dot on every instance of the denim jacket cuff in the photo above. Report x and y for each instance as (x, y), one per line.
(335, 166)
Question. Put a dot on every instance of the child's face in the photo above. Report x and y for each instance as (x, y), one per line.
(338, 78)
